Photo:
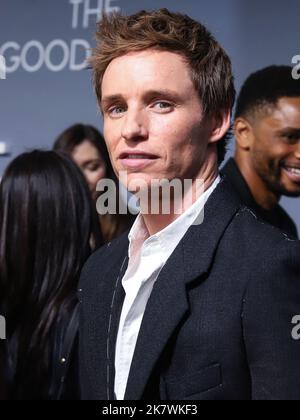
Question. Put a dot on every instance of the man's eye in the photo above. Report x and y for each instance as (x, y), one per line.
(116, 110)
(292, 138)
(163, 106)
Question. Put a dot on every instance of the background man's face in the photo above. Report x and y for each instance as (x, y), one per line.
(275, 150)
(150, 107)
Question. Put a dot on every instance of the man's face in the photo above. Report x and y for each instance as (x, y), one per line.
(153, 120)
(275, 150)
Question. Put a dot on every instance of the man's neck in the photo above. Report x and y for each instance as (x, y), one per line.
(157, 222)
(263, 196)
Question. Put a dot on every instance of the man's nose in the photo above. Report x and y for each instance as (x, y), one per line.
(134, 126)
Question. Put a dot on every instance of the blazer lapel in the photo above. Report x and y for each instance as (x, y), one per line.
(116, 309)
(165, 309)
(168, 303)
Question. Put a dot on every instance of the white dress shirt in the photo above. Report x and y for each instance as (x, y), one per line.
(147, 256)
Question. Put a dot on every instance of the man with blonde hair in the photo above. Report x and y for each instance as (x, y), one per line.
(186, 306)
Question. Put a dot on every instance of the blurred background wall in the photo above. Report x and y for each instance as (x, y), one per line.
(45, 44)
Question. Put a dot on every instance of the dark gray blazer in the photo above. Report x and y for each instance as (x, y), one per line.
(218, 325)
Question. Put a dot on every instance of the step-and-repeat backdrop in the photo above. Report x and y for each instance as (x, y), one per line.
(44, 86)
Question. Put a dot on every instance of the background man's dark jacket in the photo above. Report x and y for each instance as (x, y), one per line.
(218, 325)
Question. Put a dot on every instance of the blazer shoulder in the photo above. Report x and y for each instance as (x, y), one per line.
(247, 222)
(263, 248)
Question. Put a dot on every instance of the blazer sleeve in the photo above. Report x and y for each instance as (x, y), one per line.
(84, 379)
(270, 305)
(88, 282)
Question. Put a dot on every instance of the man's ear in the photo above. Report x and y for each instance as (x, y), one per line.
(220, 126)
(243, 133)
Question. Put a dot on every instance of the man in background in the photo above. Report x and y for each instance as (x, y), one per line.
(266, 165)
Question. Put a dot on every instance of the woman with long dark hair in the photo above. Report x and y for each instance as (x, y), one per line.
(86, 147)
(46, 225)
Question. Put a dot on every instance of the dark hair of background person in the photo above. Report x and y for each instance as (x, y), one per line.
(262, 90)
(210, 66)
(46, 223)
(112, 226)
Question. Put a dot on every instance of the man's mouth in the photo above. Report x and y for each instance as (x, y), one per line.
(293, 172)
(137, 160)
(137, 157)
(128, 155)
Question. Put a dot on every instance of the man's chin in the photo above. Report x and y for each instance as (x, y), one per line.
(138, 182)
(289, 190)
(284, 188)
(134, 181)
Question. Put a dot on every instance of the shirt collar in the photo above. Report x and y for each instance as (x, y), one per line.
(173, 233)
